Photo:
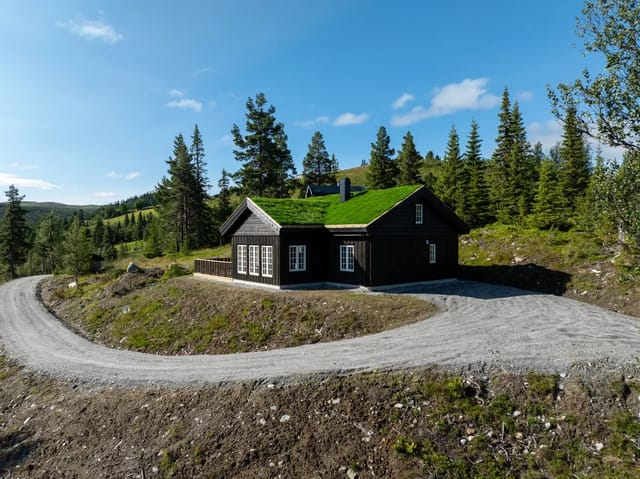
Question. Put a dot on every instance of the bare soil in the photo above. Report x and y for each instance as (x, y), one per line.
(398, 425)
(143, 312)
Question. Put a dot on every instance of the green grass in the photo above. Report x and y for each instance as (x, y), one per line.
(361, 209)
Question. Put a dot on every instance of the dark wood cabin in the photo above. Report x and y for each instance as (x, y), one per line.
(371, 238)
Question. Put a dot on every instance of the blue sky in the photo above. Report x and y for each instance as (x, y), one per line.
(92, 93)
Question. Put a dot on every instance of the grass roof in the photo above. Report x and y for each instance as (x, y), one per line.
(361, 209)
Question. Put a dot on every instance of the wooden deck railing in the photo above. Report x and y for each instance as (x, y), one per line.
(214, 266)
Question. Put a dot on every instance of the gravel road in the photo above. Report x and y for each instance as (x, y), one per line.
(481, 326)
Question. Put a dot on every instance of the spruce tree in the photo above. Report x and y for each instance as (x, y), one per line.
(318, 168)
(574, 156)
(522, 175)
(450, 186)
(499, 169)
(549, 205)
(475, 210)
(409, 162)
(382, 169)
(431, 170)
(267, 165)
(14, 233)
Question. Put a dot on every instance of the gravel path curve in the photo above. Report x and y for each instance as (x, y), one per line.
(480, 326)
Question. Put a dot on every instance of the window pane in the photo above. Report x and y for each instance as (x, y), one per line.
(242, 258)
(267, 261)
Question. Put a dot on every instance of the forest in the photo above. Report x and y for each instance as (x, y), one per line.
(569, 187)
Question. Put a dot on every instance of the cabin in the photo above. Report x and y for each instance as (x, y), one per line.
(366, 238)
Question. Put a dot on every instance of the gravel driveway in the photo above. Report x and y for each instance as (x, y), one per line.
(481, 326)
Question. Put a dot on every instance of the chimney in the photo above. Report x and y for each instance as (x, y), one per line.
(345, 189)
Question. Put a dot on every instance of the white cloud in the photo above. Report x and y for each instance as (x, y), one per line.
(351, 119)
(92, 30)
(183, 103)
(105, 194)
(226, 140)
(202, 71)
(186, 104)
(319, 120)
(548, 133)
(7, 179)
(403, 100)
(127, 176)
(524, 96)
(22, 166)
(469, 94)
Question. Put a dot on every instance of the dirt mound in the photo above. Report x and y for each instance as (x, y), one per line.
(411, 424)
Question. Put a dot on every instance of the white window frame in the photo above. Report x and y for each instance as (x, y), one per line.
(419, 213)
(347, 258)
(432, 253)
(254, 260)
(241, 258)
(267, 261)
(297, 257)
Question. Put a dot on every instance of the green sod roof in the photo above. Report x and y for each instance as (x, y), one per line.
(361, 209)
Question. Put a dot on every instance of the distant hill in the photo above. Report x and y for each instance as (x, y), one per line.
(36, 210)
(357, 175)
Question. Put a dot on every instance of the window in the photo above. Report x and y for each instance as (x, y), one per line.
(418, 214)
(241, 259)
(297, 258)
(346, 258)
(253, 260)
(267, 261)
(432, 253)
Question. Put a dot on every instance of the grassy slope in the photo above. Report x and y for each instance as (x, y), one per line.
(185, 316)
(574, 264)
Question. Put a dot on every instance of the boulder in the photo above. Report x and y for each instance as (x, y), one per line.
(134, 268)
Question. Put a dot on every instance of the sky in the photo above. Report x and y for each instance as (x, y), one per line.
(93, 93)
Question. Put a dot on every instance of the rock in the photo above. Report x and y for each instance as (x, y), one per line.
(599, 446)
(285, 418)
(134, 268)
(517, 413)
(73, 285)
(351, 474)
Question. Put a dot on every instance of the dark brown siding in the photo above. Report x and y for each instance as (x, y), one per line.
(402, 220)
(253, 226)
(361, 260)
(405, 259)
(273, 241)
(315, 240)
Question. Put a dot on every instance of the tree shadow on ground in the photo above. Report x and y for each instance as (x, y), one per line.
(530, 277)
(15, 447)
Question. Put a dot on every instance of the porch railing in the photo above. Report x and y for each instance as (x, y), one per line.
(214, 266)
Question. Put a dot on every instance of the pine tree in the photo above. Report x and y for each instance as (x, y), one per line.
(98, 234)
(475, 210)
(382, 169)
(450, 186)
(574, 155)
(431, 170)
(77, 257)
(317, 167)
(267, 165)
(184, 213)
(14, 233)
(197, 157)
(409, 162)
(48, 243)
(223, 207)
